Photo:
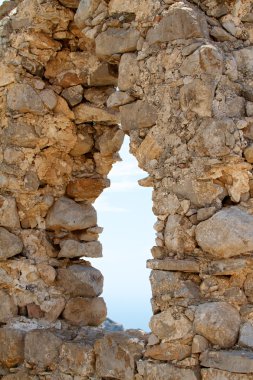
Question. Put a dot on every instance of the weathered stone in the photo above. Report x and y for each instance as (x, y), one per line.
(12, 347)
(42, 349)
(244, 60)
(190, 266)
(8, 308)
(150, 149)
(70, 3)
(10, 244)
(23, 98)
(7, 76)
(73, 248)
(199, 344)
(20, 375)
(87, 113)
(168, 351)
(140, 114)
(170, 327)
(228, 233)
(176, 237)
(77, 358)
(8, 213)
(216, 374)
(119, 98)
(85, 9)
(80, 281)
(248, 287)
(219, 322)
(116, 354)
(86, 188)
(181, 22)
(110, 141)
(128, 71)
(198, 96)
(21, 134)
(229, 267)
(84, 144)
(105, 75)
(246, 335)
(49, 98)
(116, 40)
(248, 154)
(69, 215)
(73, 95)
(165, 371)
(233, 361)
(85, 311)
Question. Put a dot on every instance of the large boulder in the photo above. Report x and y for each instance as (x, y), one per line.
(228, 233)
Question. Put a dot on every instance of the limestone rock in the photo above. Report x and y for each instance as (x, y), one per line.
(85, 311)
(104, 75)
(219, 322)
(7, 76)
(21, 134)
(8, 308)
(190, 266)
(80, 281)
(181, 22)
(166, 326)
(199, 344)
(84, 144)
(116, 40)
(140, 114)
(70, 3)
(73, 95)
(248, 154)
(165, 371)
(10, 244)
(232, 361)
(69, 215)
(119, 98)
(85, 10)
(246, 335)
(116, 354)
(20, 375)
(198, 97)
(12, 347)
(49, 98)
(150, 149)
(244, 60)
(110, 141)
(168, 351)
(77, 358)
(23, 98)
(73, 248)
(228, 233)
(177, 239)
(87, 113)
(8, 212)
(42, 349)
(128, 71)
(86, 188)
(216, 374)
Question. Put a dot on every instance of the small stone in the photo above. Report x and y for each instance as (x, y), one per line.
(47, 273)
(49, 98)
(73, 248)
(190, 266)
(73, 95)
(228, 233)
(34, 311)
(248, 287)
(86, 188)
(87, 113)
(165, 371)
(42, 349)
(110, 141)
(12, 347)
(219, 322)
(248, 154)
(80, 281)
(8, 213)
(177, 239)
(198, 96)
(140, 114)
(119, 98)
(205, 213)
(246, 335)
(7, 76)
(20, 375)
(221, 35)
(199, 344)
(170, 327)
(53, 308)
(85, 311)
(62, 108)
(70, 3)
(116, 40)
(69, 215)
(23, 98)
(249, 109)
(104, 75)
(84, 144)
(129, 71)
(85, 10)
(20, 134)
(237, 361)
(152, 340)
(10, 244)
(168, 351)
(77, 358)
(244, 60)
(229, 267)
(8, 308)
(216, 374)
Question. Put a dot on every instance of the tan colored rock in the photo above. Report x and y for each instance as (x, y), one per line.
(165, 371)
(177, 238)
(62, 108)
(248, 154)
(20, 375)
(49, 98)
(77, 358)
(236, 361)
(199, 344)
(8, 213)
(228, 233)
(140, 114)
(110, 141)
(80, 281)
(21, 134)
(216, 374)
(119, 98)
(170, 327)
(84, 144)
(69, 215)
(86, 188)
(73, 95)
(42, 349)
(116, 40)
(128, 71)
(248, 287)
(185, 265)
(10, 244)
(116, 354)
(23, 98)
(85, 10)
(12, 347)
(150, 149)
(198, 96)
(246, 335)
(70, 3)
(85, 311)
(168, 351)
(219, 322)
(73, 248)
(244, 60)
(8, 308)
(104, 75)
(7, 76)
(53, 308)
(86, 113)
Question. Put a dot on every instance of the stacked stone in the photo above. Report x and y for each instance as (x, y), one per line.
(185, 75)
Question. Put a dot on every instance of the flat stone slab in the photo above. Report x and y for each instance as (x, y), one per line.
(190, 266)
(233, 361)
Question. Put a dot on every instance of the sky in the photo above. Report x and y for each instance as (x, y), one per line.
(124, 210)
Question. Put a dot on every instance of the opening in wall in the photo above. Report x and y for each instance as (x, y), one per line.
(124, 210)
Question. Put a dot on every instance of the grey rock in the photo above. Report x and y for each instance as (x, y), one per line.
(119, 99)
(216, 374)
(176, 236)
(10, 244)
(165, 371)
(8, 308)
(219, 322)
(8, 212)
(77, 359)
(140, 114)
(190, 266)
(246, 335)
(237, 361)
(21, 134)
(85, 311)
(116, 40)
(49, 98)
(229, 267)
(199, 344)
(128, 71)
(73, 248)
(23, 98)
(84, 11)
(69, 215)
(73, 95)
(228, 233)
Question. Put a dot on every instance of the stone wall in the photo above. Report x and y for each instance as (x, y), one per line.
(177, 77)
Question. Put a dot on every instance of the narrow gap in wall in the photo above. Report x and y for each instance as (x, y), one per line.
(125, 212)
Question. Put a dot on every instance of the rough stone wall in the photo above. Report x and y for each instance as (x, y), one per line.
(184, 72)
